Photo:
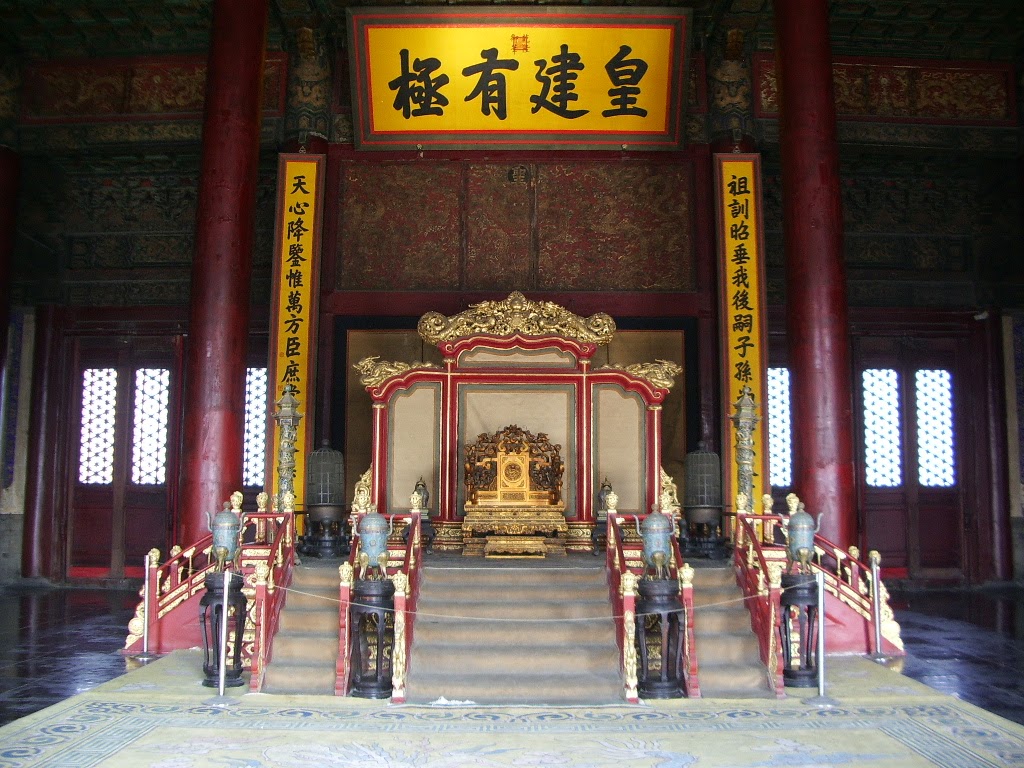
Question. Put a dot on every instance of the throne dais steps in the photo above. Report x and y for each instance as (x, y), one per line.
(305, 651)
(504, 634)
(727, 649)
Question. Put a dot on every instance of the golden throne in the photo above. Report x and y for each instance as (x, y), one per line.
(514, 504)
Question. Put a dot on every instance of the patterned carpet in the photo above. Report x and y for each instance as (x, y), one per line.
(160, 716)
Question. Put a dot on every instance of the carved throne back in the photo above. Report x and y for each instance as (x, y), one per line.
(513, 468)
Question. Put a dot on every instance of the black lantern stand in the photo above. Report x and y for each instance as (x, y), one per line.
(373, 637)
(211, 616)
(327, 536)
(702, 506)
(799, 602)
(659, 616)
(326, 515)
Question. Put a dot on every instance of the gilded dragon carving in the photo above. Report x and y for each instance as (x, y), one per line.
(373, 370)
(516, 314)
(661, 373)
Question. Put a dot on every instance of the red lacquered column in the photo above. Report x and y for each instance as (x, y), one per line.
(9, 175)
(815, 276)
(38, 554)
(221, 268)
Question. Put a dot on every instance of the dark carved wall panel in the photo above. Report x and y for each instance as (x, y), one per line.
(615, 226)
(399, 226)
(120, 232)
(499, 222)
(619, 225)
(918, 233)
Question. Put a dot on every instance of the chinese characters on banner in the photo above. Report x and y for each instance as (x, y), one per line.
(518, 77)
(295, 290)
(742, 310)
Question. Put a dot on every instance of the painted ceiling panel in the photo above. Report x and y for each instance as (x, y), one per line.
(41, 29)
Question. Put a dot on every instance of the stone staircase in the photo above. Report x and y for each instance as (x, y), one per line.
(727, 649)
(494, 632)
(305, 650)
(533, 633)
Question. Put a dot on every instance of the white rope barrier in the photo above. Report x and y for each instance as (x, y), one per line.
(580, 620)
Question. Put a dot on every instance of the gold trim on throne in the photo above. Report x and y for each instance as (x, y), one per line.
(514, 504)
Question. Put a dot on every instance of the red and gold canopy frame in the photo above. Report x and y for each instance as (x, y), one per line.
(521, 362)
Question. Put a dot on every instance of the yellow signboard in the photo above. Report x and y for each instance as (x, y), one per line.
(518, 77)
(742, 310)
(295, 294)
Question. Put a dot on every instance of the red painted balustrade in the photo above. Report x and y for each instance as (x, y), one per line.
(173, 589)
(760, 559)
(404, 567)
(761, 591)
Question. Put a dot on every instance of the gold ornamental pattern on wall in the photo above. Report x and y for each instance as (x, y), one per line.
(516, 314)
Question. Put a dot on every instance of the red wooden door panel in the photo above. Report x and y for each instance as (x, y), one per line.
(912, 448)
(124, 437)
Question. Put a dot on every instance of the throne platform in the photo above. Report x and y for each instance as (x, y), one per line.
(514, 431)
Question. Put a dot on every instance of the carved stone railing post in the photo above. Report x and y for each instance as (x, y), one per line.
(346, 576)
(774, 629)
(152, 597)
(691, 670)
(399, 658)
(262, 583)
(628, 592)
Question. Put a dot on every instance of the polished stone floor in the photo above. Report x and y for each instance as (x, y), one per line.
(55, 643)
(969, 644)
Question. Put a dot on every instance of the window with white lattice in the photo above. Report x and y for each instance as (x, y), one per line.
(933, 394)
(780, 429)
(149, 426)
(254, 444)
(883, 461)
(96, 442)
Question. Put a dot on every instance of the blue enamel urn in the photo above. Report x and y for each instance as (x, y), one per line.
(224, 526)
(373, 535)
(801, 529)
(656, 532)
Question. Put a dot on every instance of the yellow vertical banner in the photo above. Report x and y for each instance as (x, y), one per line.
(295, 289)
(742, 306)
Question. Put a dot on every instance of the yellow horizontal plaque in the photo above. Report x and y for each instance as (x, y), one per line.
(518, 77)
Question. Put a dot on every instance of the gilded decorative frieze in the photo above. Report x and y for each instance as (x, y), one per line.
(660, 373)
(516, 314)
(121, 294)
(887, 90)
(373, 370)
(10, 83)
(69, 91)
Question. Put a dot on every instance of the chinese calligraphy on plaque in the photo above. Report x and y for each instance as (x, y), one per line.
(742, 304)
(518, 77)
(293, 319)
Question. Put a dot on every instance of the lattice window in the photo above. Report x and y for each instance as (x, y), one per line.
(933, 393)
(254, 452)
(96, 445)
(883, 461)
(149, 426)
(780, 429)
